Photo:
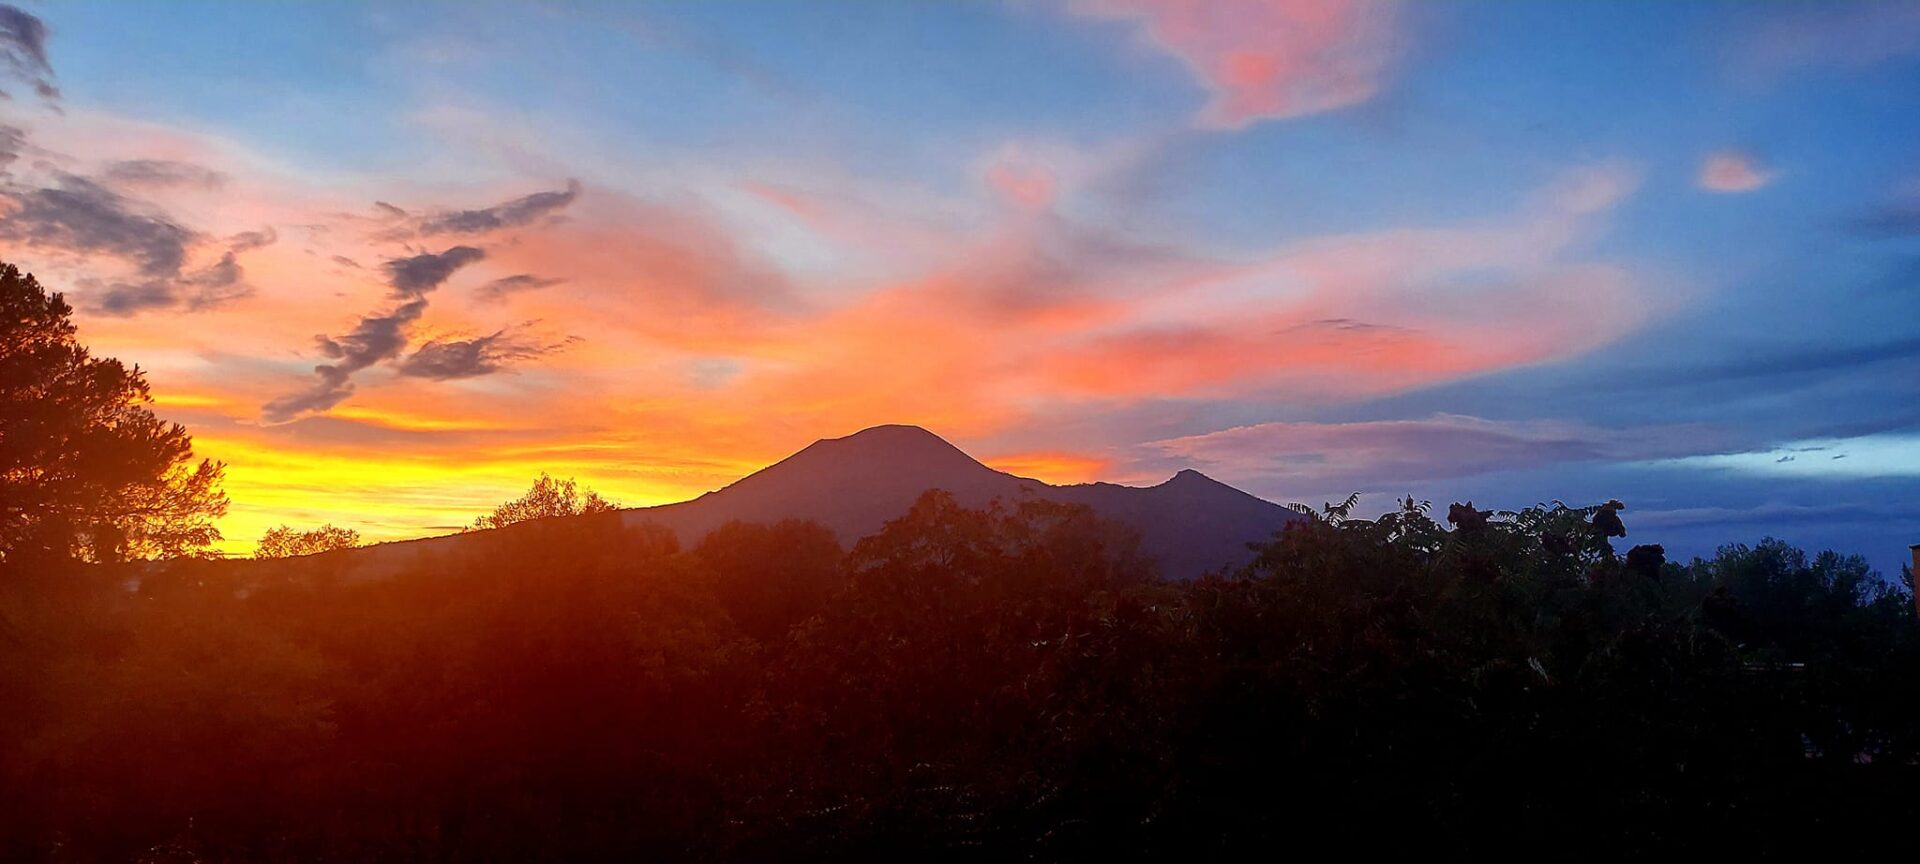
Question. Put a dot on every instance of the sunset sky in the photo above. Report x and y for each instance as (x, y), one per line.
(1668, 253)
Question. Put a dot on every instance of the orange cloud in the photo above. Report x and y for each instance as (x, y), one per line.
(1268, 59)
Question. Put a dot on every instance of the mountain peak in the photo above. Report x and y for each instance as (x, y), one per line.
(900, 432)
(894, 442)
(1190, 477)
(888, 455)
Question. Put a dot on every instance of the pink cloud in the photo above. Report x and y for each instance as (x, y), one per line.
(1346, 316)
(1268, 59)
(1026, 186)
(1041, 314)
(1731, 171)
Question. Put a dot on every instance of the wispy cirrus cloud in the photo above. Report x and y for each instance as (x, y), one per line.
(1268, 59)
(161, 174)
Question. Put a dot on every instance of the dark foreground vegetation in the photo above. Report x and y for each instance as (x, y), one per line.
(1007, 685)
(1004, 685)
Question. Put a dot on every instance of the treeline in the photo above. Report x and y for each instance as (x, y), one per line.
(1012, 684)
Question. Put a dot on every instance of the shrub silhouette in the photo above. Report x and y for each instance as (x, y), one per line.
(281, 541)
(548, 498)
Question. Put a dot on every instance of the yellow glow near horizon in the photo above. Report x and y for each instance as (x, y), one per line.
(393, 497)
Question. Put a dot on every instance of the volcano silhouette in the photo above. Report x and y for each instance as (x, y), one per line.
(1190, 524)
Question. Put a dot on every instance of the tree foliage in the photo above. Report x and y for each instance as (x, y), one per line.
(86, 469)
(282, 541)
(547, 499)
(1000, 684)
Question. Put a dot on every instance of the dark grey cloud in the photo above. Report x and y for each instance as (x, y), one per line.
(13, 142)
(1774, 514)
(1898, 220)
(443, 360)
(23, 52)
(247, 241)
(333, 387)
(80, 215)
(524, 210)
(1759, 366)
(376, 338)
(501, 288)
(123, 299)
(226, 279)
(161, 173)
(212, 286)
(1811, 361)
(426, 271)
(1369, 454)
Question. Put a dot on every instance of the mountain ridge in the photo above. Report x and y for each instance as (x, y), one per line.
(1190, 523)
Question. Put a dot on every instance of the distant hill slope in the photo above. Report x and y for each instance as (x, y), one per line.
(854, 485)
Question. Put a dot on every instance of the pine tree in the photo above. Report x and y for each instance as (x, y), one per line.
(86, 469)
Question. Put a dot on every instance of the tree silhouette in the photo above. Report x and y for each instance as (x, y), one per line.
(1007, 683)
(86, 469)
(546, 499)
(284, 542)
